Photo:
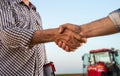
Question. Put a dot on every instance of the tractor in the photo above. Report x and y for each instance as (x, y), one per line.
(101, 62)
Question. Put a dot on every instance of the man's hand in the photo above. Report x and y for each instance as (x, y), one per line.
(68, 40)
(73, 27)
(72, 43)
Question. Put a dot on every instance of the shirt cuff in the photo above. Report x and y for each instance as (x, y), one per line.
(115, 17)
(26, 37)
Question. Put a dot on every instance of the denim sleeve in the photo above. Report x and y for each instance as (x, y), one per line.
(115, 17)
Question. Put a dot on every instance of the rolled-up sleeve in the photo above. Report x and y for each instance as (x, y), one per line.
(115, 17)
(16, 37)
(13, 27)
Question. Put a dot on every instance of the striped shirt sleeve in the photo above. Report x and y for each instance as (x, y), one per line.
(16, 37)
(11, 34)
(115, 17)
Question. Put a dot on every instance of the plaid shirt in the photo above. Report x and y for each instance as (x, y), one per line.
(18, 23)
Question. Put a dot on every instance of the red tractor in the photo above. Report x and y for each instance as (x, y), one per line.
(102, 62)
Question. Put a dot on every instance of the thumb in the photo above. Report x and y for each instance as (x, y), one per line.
(61, 29)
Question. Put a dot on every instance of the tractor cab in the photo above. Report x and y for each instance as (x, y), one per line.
(102, 62)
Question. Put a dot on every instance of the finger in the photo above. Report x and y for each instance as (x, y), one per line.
(66, 26)
(67, 49)
(60, 43)
(84, 40)
(82, 35)
(69, 27)
(73, 43)
(73, 47)
(57, 42)
(63, 46)
(72, 50)
(76, 36)
(73, 27)
(63, 27)
(81, 44)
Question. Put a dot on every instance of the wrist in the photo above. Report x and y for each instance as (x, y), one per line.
(83, 31)
(49, 34)
(43, 36)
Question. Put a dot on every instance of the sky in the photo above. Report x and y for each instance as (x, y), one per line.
(57, 12)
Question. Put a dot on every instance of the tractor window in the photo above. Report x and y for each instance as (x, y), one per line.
(102, 57)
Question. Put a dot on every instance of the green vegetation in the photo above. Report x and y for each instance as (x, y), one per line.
(69, 75)
(64, 75)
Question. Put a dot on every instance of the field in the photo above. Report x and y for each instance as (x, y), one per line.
(69, 75)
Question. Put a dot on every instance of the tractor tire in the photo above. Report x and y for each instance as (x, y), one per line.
(104, 74)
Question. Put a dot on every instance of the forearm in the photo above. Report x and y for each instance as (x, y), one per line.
(43, 36)
(99, 28)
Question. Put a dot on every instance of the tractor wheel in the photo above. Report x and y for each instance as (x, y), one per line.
(104, 74)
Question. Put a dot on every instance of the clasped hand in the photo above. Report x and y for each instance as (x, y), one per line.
(70, 37)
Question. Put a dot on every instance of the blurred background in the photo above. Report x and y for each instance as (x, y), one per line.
(57, 12)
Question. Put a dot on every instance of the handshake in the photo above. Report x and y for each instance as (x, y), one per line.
(70, 37)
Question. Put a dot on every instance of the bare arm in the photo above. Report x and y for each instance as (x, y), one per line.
(43, 36)
(53, 35)
(105, 26)
(99, 28)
